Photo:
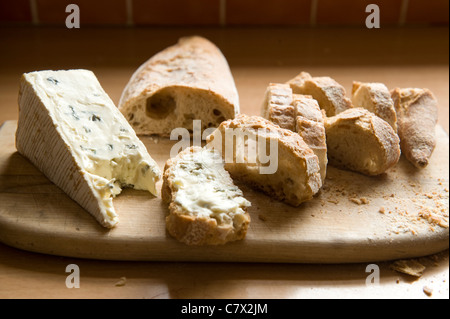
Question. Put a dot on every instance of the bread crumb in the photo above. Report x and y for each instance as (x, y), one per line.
(333, 201)
(359, 201)
(122, 281)
(410, 267)
(428, 291)
(433, 218)
(382, 210)
(262, 217)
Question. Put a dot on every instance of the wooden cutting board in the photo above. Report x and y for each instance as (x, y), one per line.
(354, 218)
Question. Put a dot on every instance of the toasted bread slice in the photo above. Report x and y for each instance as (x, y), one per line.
(360, 141)
(206, 208)
(296, 177)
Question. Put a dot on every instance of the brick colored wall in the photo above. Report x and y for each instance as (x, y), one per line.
(224, 12)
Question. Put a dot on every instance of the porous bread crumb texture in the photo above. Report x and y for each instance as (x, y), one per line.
(297, 177)
(189, 80)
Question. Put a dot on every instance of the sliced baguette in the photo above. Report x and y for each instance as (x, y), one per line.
(190, 80)
(330, 95)
(297, 175)
(360, 141)
(376, 98)
(206, 208)
(417, 113)
(277, 106)
(310, 125)
(298, 113)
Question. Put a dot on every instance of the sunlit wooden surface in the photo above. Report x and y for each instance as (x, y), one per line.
(397, 57)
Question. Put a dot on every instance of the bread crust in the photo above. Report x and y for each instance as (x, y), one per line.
(197, 230)
(291, 149)
(163, 93)
(376, 98)
(329, 93)
(417, 113)
(298, 113)
(375, 136)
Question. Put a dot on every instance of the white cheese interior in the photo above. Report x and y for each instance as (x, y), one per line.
(103, 144)
(205, 189)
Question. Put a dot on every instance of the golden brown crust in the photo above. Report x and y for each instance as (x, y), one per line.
(197, 230)
(329, 93)
(298, 113)
(374, 145)
(297, 178)
(417, 113)
(375, 97)
(189, 80)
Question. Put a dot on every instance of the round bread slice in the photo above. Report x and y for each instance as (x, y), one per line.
(187, 81)
(360, 141)
(205, 207)
(289, 173)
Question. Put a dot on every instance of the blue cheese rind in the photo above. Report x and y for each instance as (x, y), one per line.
(72, 131)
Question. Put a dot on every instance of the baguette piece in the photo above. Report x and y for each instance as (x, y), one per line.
(189, 80)
(417, 112)
(73, 133)
(298, 113)
(376, 98)
(206, 208)
(330, 95)
(277, 106)
(310, 125)
(297, 175)
(360, 141)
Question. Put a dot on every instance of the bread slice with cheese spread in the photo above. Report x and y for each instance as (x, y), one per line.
(189, 80)
(71, 131)
(205, 207)
(360, 141)
(330, 95)
(274, 160)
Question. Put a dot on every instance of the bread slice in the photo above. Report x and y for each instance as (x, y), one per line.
(417, 111)
(73, 133)
(298, 113)
(190, 80)
(310, 125)
(330, 95)
(376, 98)
(277, 106)
(205, 207)
(296, 177)
(360, 141)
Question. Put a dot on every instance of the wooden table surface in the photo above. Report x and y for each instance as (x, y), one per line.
(397, 57)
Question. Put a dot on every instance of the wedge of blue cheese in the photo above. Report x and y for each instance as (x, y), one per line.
(71, 130)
